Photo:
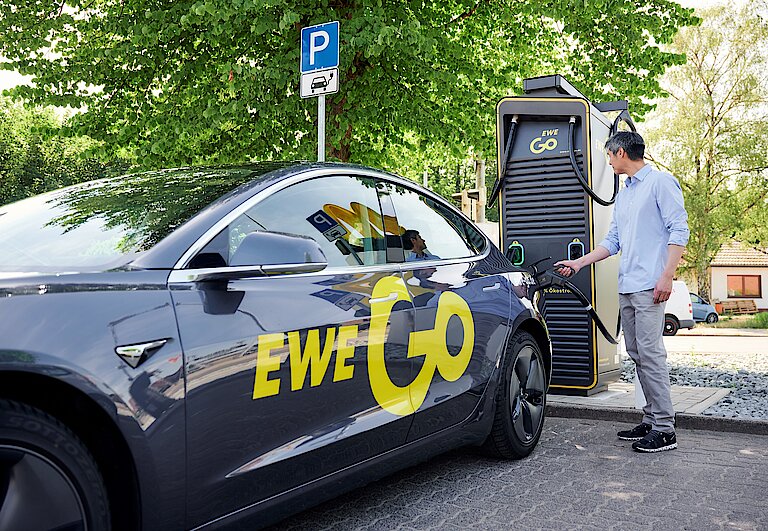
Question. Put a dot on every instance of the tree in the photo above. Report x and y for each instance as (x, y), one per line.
(34, 159)
(712, 132)
(189, 81)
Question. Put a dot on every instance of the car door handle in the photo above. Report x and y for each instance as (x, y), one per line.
(391, 297)
(493, 287)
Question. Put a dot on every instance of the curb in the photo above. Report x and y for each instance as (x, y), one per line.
(682, 420)
(730, 332)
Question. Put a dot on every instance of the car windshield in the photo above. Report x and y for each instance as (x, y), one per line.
(106, 223)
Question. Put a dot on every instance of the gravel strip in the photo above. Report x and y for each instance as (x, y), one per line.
(746, 375)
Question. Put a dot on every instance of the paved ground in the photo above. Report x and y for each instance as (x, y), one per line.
(706, 344)
(701, 330)
(579, 477)
(692, 400)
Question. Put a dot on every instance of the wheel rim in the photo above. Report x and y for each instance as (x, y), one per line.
(669, 327)
(37, 493)
(526, 393)
(711, 318)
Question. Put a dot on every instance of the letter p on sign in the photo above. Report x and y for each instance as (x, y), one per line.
(320, 47)
(318, 41)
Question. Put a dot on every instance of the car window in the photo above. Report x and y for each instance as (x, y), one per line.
(106, 223)
(341, 213)
(695, 299)
(475, 239)
(441, 234)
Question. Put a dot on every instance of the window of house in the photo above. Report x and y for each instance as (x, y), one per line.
(744, 286)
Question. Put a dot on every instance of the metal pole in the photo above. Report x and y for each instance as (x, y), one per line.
(321, 128)
(480, 185)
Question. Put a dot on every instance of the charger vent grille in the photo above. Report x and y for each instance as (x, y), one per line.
(570, 331)
(543, 198)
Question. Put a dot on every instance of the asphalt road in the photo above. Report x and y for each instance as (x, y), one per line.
(579, 477)
(716, 344)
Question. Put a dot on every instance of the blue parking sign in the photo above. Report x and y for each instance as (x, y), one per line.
(320, 47)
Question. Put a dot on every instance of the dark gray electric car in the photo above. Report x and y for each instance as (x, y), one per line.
(196, 348)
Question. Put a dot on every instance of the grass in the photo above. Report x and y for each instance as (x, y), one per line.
(758, 320)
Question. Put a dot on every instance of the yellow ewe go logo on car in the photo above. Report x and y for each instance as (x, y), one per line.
(399, 400)
(541, 143)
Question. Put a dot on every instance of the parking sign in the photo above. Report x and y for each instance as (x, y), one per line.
(320, 47)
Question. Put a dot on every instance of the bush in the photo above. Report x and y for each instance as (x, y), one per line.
(35, 157)
(759, 320)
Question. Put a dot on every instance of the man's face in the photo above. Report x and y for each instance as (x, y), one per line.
(616, 160)
(418, 243)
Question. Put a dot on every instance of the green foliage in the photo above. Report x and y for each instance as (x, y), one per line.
(759, 320)
(35, 159)
(712, 133)
(193, 81)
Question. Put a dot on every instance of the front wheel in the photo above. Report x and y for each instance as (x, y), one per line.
(520, 400)
(671, 326)
(712, 318)
(48, 479)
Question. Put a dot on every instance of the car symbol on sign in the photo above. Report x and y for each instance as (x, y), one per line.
(320, 82)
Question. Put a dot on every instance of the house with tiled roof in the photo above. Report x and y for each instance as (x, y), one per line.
(740, 272)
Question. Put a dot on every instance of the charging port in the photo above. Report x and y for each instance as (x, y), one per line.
(575, 249)
(516, 253)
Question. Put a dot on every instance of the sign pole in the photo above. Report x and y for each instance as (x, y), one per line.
(319, 67)
(321, 128)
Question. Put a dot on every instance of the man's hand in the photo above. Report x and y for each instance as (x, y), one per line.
(568, 267)
(663, 290)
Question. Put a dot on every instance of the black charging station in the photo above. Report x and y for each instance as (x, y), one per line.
(556, 191)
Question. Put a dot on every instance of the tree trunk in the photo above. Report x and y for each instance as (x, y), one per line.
(343, 152)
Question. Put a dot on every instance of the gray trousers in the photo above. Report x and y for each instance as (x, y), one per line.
(643, 324)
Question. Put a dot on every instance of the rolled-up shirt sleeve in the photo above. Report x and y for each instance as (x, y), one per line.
(672, 208)
(611, 240)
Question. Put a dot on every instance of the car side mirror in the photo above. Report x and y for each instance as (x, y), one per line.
(264, 253)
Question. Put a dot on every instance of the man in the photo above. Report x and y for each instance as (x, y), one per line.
(413, 242)
(650, 228)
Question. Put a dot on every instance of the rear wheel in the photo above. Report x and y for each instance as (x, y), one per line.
(671, 325)
(48, 479)
(712, 318)
(520, 400)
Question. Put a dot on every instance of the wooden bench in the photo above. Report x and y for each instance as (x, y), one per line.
(739, 307)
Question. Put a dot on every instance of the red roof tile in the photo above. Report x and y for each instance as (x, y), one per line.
(735, 254)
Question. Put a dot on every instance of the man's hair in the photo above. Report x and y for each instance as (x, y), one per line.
(632, 144)
(407, 235)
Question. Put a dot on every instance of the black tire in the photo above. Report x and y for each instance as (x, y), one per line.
(520, 400)
(47, 473)
(671, 325)
(712, 318)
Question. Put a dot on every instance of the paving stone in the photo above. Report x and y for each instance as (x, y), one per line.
(579, 477)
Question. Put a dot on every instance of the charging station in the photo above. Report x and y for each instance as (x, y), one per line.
(556, 192)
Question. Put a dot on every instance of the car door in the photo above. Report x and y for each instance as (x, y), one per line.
(462, 306)
(699, 307)
(278, 367)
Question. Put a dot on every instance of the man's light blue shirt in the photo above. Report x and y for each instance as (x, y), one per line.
(413, 257)
(649, 215)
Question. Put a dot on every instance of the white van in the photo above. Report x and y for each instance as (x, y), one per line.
(678, 311)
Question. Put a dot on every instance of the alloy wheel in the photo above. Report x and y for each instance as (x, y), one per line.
(526, 394)
(33, 481)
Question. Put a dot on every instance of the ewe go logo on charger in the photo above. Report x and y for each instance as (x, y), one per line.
(546, 142)
(398, 400)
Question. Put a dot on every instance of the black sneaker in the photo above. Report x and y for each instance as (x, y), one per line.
(656, 441)
(636, 433)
